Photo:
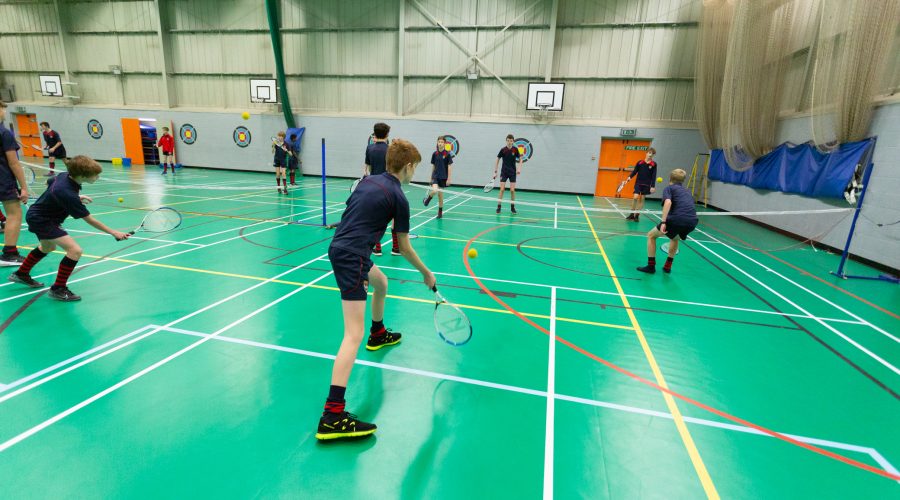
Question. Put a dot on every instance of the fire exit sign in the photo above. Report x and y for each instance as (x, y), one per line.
(637, 148)
(628, 132)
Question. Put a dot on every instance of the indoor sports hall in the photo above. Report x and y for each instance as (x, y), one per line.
(663, 238)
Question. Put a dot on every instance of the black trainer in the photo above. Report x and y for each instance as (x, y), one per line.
(63, 294)
(387, 338)
(342, 426)
(512, 208)
(498, 209)
(25, 280)
(647, 269)
(2, 226)
(440, 214)
(11, 259)
(630, 217)
(377, 251)
(395, 251)
(426, 200)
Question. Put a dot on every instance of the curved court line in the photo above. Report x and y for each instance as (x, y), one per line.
(686, 399)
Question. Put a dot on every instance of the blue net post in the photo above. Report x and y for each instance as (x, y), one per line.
(324, 204)
(867, 173)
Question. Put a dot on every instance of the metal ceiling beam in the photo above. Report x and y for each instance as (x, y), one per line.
(551, 41)
(473, 56)
(401, 52)
(165, 50)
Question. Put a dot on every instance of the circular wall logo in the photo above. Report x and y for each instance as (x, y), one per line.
(188, 134)
(525, 149)
(241, 136)
(95, 129)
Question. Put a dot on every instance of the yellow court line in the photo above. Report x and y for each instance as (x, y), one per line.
(699, 466)
(485, 242)
(335, 289)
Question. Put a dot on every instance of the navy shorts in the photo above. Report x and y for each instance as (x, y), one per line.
(351, 273)
(9, 191)
(278, 165)
(59, 154)
(293, 166)
(643, 189)
(674, 229)
(440, 182)
(507, 176)
(47, 231)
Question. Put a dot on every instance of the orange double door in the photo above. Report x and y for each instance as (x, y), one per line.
(29, 135)
(617, 159)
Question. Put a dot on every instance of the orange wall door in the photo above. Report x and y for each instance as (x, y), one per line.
(617, 157)
(131, 134)
(29, 135)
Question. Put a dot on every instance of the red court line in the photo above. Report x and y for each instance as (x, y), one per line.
(802, 271)
(686, 399)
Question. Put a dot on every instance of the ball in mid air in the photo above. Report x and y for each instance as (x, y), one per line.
(473, 253)
(245, 115)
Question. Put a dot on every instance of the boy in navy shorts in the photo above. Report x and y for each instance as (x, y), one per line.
(280, 149)
(509, 154)
(377, 200)
(293, 158)
(13, 193)
(441, 162)
(55, 148)
(61, 200)
(679, 218)
(645, 170)
(375, 165)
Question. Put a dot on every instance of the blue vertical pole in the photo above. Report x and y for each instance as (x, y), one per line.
(324, 212)
(859, 204)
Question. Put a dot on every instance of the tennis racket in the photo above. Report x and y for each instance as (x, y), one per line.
(451, 323)
(490, 185)
(621, 186)
(356, 183)
(30, 175)
(665, 248)
(278, 143)
(161, 220)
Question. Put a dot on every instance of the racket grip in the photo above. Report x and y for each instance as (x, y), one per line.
(434, 289)
(131, 233)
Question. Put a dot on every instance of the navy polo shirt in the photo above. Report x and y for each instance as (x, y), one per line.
(59, 201)
(646, 173)
(52, 138)
(509, 156)
(683, 211)
(375, 157)
(376, 200)
(441, 161)
(7, 143)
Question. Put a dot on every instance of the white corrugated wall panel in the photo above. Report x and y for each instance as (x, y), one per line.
(345, 13)
(595, 52)
(599, 11)
(453, 98)
(456, 13)
(596, 99)
(662, 100)
(100, 89)
(197, 53)
(247, 53)
(27, 17)
(520, 53)
(433, 54)
(94, 52)
(32, 53)
(667, 52)
(352, 53)
(199, 91)
(142, 89)
(794, 80)
(140, 52)
(87, 16)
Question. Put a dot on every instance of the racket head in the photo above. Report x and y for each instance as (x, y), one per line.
(665, 248)
(355, 183)
(160, 220)
(490, 185)
(451, 324)
(30, 175)
(619, 189)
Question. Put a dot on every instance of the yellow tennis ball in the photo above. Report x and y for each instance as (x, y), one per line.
(473, 253)
(659, 179)
(120, 200)
(245, 115)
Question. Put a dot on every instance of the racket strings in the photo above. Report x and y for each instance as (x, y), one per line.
(161, 220)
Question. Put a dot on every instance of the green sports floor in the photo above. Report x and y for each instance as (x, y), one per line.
(198, 362)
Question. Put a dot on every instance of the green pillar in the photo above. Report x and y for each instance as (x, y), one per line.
(275, 33)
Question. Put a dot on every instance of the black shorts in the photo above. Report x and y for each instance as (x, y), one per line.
(278, 165)
(59, 154)
(440, 182)
(674, 229)
(47, 231)
(643, 189)
(293, 166)
(351, 273)
(506, 175)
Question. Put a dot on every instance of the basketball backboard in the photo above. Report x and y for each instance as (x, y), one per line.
(263, 90)
(545, 96)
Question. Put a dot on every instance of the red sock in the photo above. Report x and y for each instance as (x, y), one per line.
(651, 261)
(293, 177)
(66, 266)
(31, 260)
(10, 249)
(52, 164)
(278, 180)
(2, 217)
(394, 239)
(668, 265)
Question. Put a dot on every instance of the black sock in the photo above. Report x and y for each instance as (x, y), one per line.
(668, 264)
(336, 393)
(10, 249)
(377, 327)
(651, 261)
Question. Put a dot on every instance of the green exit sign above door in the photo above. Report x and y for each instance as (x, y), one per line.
(628, 132)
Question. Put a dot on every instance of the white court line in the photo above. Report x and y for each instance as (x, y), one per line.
(135, 237)
(24, 435)
(71, 360)
(797, 306)
(551, 400)
(640, 297)
(215, 243)
(798, 285)
(886, 465)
